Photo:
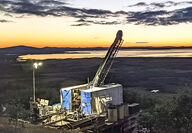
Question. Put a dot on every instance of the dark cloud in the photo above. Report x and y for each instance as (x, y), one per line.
(81, 24)
(142, 42)
(5, 21)
(155, 5)
(162, 17)
(106, 23)
(138, 4)
(148, 18)
(56, 8)
(86, 17)
(159, 5)
(154, 18)
(51, 3)
(8, 15)
(182, 15)
(48, 7)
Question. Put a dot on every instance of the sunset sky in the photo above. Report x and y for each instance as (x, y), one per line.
(94, 23)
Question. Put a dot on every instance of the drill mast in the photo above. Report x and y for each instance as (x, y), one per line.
(104, 68)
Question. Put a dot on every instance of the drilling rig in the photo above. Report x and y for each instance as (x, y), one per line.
(90, 103)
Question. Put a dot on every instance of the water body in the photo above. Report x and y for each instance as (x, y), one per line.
(102, 53)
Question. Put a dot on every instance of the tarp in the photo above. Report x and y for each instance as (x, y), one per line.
(86, 102)
(66, 99)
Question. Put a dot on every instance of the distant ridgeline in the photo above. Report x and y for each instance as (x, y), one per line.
(18, 50)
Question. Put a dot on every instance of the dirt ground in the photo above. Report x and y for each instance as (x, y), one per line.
(11, 126)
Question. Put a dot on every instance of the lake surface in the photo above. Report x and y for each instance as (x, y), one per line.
(121, 53)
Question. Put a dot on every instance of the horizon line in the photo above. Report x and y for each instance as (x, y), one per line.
(101, 47)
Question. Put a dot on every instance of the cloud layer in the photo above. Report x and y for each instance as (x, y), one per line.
(156, 5)
(154, 15)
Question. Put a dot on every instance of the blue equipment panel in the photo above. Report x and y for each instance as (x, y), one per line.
(86, 102)
(66, 99)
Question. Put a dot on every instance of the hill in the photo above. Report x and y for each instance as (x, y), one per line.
(19, 50)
